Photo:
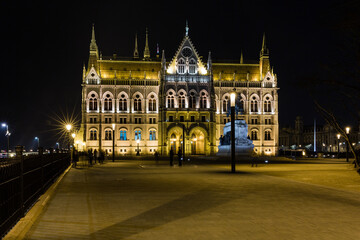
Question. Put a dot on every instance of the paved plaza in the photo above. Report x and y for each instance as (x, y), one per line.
(144, 200)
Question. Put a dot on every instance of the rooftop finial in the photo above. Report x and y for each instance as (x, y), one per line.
(93, 45)
(136, 52)
(146, 51)
(241, 58)
(157, 51)
(187, 29)
(264, 49)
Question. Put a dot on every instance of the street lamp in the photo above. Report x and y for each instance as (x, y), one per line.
(38, 140)
(113, 146)
(7, 134)
(73, 139)
(347, 129)
(232, 105)
(68, 128)
(138, 152)
(338, 143)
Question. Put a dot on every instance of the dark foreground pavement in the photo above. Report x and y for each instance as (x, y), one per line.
(142, 200)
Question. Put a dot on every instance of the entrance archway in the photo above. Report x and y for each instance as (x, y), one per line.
(175, 139)
(197, 141)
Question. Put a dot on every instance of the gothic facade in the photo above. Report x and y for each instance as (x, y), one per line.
(150, 104)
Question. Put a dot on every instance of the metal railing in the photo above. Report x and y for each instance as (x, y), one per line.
(23, 180)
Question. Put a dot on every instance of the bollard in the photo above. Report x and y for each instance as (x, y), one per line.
(19, 154)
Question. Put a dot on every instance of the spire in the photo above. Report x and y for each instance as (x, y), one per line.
(264, 49)
(136, 52)
(84, 71)
(157, 51)
(147, 51)
(241, 58)
(186, 29)
(93, 46)
(163, 60)
(209, 62)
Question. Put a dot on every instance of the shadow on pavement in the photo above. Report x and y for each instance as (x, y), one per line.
(179, 208)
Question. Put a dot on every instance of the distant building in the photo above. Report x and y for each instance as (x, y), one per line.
(156, 103)
(301, 136)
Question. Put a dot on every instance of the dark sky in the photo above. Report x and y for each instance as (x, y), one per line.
(45, 44)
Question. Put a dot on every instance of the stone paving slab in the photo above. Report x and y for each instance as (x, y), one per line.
(140, 200)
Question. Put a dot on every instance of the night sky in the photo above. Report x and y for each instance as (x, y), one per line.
(44, 46)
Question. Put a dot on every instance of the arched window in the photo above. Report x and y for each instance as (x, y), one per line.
(203, 100)
(225, 104)
(254, 135)
(192, 66)
(93, 103)
(170, 100)
(93, 134)
(107, 103)
(242, 105)
(108, 134)
(152, 135)
(182, 100)
(137, 134)
(267, 135)
(192, 100)
(267, 104)
(181, 66)
(123, 103)
(137, 103)
(122, 135)
(254, 104)
(152, 103)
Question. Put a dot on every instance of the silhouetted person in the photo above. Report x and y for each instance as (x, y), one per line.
(95, 155)
(179, 156)
(171, 157)
(156, 157)
(90, 154)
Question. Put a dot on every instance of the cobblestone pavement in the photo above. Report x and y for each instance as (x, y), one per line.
(142, 200)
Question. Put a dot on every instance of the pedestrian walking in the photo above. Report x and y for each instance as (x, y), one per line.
(90, 155)
(171, 157)
(95, 156)
(180, 157)
(156, 157)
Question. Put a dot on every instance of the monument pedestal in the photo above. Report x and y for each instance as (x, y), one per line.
(243, 145)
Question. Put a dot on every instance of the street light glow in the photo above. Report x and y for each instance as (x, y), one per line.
(73, 135)
(113, 126)
(347, 129)
(138, 141)
(338, 136)
(68, 127)
(4, 125)
(232, 99)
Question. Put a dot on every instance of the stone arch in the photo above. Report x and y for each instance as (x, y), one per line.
(198, 140)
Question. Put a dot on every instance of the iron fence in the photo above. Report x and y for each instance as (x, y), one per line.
(23, 180)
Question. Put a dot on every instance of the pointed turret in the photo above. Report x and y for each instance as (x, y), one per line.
(264, 59)
(241, 58)
(209, 62)
(93, 46)
(163, 61)
(136, 52)
(84, 72)
(146, 51)
(94, 52)
(264, 49)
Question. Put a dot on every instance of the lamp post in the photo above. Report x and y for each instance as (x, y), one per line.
(232, 104)
(347, 129)
(7, 134)
(338, 143)
(38, 140)
(113, 145)
(138, 152)
(73, 139)
(68, 128)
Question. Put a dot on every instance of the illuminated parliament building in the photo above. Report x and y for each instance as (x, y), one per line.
(147, 104)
